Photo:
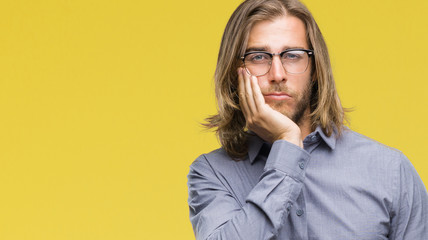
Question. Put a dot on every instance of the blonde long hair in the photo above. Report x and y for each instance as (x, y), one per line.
(229, 122)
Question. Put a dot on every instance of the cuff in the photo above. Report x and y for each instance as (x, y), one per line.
(288, 158)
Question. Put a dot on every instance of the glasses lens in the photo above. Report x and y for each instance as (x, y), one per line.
(257, 64)
(295, 61)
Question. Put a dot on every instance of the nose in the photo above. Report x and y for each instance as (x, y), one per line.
(277, 72)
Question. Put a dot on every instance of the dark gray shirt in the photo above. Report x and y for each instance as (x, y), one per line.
(349, 187)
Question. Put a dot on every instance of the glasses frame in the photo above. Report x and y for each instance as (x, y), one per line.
(308, 51)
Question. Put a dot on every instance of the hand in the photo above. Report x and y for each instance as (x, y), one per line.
(266, 122)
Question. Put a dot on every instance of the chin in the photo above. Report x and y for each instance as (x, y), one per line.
(285, 112)
(282, 108)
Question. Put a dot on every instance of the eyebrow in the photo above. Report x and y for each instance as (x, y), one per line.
(255, 49)
(264, 49)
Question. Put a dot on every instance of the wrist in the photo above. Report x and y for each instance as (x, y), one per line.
(295, 138)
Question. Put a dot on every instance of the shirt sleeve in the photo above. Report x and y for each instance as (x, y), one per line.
(409, 218)
(215, 213)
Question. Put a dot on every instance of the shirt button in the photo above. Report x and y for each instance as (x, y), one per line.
(314, 137)
(301, 165)
(299, 212)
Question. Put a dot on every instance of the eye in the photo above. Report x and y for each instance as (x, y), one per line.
(293, 55)
(257, 58)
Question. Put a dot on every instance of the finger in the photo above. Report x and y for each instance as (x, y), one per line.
(249, 92)
(259, 100)
(241, 92)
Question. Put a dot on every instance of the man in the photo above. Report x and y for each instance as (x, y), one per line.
(288, 168)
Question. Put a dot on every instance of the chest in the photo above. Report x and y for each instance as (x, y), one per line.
(339, 200)
(346, 198)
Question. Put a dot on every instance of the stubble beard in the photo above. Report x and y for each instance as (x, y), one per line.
(302, 104)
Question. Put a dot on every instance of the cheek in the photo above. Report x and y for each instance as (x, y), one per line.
(301, 85)
(303, 81)
(263, 82)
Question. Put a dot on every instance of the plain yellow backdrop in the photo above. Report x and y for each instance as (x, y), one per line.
(100, 105)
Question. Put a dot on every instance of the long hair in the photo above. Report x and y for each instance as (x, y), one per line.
(229, 123)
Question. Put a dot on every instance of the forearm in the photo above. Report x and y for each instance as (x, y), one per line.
(216, 213)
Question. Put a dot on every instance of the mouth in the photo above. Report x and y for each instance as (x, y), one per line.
(277, 96)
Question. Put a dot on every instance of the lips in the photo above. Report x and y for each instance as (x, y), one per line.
(277, 96)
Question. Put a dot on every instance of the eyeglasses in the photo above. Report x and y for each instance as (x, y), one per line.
(294, 61)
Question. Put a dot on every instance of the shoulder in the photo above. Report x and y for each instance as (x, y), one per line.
(216, 162)
(372, 157)
(378, 157)
(384, 168)
(366, 147)
(213, 158)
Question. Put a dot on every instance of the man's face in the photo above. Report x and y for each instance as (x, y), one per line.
(287, 93)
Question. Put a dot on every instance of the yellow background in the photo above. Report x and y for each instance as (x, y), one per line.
(100, 104)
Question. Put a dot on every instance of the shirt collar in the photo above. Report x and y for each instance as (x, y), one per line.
(255, 143)
(330, 141)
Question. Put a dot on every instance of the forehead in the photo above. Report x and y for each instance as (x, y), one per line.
(278, 34)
